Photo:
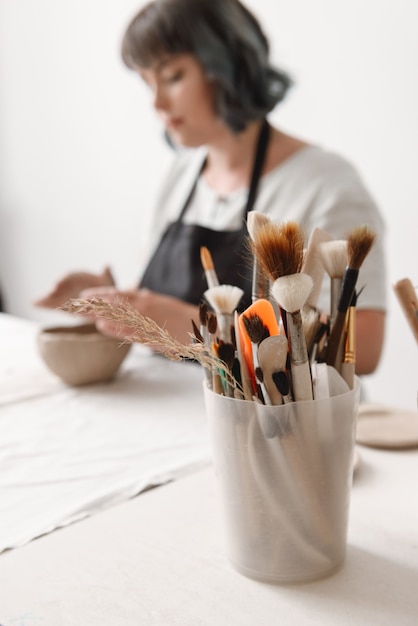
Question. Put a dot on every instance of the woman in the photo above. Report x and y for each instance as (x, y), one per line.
(206, 64)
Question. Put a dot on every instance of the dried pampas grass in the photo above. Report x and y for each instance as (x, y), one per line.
(148, 332)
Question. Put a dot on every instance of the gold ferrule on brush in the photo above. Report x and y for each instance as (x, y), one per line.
(350, 341)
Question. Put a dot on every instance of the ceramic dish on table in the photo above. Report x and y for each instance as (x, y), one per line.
(81, 355)
(381, 426)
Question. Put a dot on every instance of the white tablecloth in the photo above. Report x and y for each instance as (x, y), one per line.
(67, 453)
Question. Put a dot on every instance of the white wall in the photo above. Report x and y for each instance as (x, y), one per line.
(81, 153)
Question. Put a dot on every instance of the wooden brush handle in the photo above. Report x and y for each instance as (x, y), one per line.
(407, 297)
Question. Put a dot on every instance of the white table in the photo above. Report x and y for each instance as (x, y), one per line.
(159, 560)
(67, 453)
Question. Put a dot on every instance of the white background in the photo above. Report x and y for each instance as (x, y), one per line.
(81, 152)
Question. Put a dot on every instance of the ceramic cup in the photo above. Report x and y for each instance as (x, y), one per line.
(80, 355)
(284, 475)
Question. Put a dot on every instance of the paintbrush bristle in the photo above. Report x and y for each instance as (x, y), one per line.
(224, 299)
(291, 292)
(359, 244)
(226, 353)
(334, 257)
(310, 323)
(255, 327)
(278, 249)
(203, 313)
(281, 381)
(206, 259)
(212, 323)
(272, 353)
(197, 333)
(255, 220)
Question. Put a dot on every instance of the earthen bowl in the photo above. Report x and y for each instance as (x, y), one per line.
(81, 355)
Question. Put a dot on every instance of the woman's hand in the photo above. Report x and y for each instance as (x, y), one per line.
(174, 315)
(72, 285)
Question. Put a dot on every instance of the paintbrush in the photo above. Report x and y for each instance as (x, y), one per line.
(203, 321)
(272, 356)
(281, 380)
(226, 353)
(224, 300)
(310, 323)
(256, 331)
(245, 375)
(260, 282)
(212, 343)
(312, 263)
(197, 338)
(279, 251)
(291, 292)
(348, 364)
(265, 311)
(208, 266)
(407, 298)
(359, 244)
(315, 351)
(218, 379)
(334, 259)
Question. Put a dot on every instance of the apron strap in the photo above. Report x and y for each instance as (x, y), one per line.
(260, 154)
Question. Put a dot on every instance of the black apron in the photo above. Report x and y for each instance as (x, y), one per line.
(175, 269)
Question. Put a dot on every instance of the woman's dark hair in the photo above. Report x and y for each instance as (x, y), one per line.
(228, 42)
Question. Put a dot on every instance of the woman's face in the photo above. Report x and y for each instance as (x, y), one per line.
(183, 98)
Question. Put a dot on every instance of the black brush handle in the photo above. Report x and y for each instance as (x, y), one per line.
(348, 288)
(348, 285)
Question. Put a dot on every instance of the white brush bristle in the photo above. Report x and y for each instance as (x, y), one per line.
(224, 298)
(255, 219)
(291, 292)
(334, 257)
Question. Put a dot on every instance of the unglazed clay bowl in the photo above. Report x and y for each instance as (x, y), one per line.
(80, 355)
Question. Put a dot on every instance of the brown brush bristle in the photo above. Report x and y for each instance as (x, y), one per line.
(206, 258)
(359, 243)
(278, 249)
(255, 327)
(203, 314)
(212, 323)
(226, 353)
(196, 332)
